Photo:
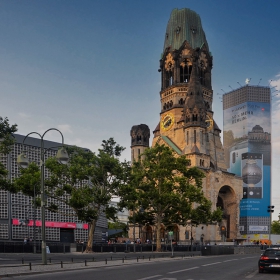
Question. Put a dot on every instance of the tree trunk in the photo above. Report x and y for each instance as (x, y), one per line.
(158, 241)
(90, 237)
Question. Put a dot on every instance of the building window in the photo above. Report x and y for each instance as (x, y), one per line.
(194, 136)
(187, 138)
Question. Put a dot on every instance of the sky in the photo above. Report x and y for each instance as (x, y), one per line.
(90, 68)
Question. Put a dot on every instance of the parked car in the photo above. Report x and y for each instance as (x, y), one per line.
(269, 260)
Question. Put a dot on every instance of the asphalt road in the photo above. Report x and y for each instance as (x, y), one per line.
(226, 267)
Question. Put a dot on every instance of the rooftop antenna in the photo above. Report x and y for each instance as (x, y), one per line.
(259, 81)
(239, 84)
(231, 87)
(223, 90)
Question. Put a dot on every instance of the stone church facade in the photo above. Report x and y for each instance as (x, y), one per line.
(188, 127)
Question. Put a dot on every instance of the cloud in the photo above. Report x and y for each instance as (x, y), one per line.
(24, 115)
(65, 128)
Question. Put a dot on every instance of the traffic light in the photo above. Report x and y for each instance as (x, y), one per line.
(223, 230)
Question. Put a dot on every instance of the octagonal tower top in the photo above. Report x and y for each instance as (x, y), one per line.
(184, 25)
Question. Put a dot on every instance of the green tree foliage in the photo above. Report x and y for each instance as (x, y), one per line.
(29, 182)
(275, 227)
(6, 142)
(89, 181)
(166, 189)
(119, 225)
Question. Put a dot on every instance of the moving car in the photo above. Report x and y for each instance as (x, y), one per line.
(270, 260)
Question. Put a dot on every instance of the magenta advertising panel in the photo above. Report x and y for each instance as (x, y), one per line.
(247, 142)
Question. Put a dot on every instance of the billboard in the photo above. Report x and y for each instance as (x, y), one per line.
(247, 142)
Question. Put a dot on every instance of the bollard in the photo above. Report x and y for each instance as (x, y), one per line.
(61, 264)
(85, 262)
(22, 261)
(30, 266)
(105, 261)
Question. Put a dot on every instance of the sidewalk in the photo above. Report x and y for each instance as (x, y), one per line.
(16, 270)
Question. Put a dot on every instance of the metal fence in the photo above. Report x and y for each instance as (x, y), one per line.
(21, 247)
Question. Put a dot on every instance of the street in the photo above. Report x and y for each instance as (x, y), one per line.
(227, 267)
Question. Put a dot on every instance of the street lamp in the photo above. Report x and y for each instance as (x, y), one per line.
(23, 162)
(270, 211)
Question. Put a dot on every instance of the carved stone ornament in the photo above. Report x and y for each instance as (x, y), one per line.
(202, 61)
(169, 62)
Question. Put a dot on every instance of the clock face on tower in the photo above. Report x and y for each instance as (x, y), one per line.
(209, 122)
(167, 121)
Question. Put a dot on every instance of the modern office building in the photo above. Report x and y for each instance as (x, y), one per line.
(247, 142)
(17, 214)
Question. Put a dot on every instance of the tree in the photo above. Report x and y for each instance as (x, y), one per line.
(275, 227)
(165, 187)
(6, 142)
(88, 183)
(119, 225)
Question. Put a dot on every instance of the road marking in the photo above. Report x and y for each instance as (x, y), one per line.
(231, 260)
(210, 264)
(150, 277)
(251, 275)
(177, 271)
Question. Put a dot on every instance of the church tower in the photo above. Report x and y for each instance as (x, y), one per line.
(187, 125)
(140, 136)
(186, 92)
(186, 119)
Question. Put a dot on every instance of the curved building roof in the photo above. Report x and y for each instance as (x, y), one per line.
(184, 25)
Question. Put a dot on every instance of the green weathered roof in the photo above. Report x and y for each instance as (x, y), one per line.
(171, 144)
(187, 20)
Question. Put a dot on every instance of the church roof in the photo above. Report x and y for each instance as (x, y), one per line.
(157, 128)
(195, 149)
(216, 127)
(171, 144)
(184, 25)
